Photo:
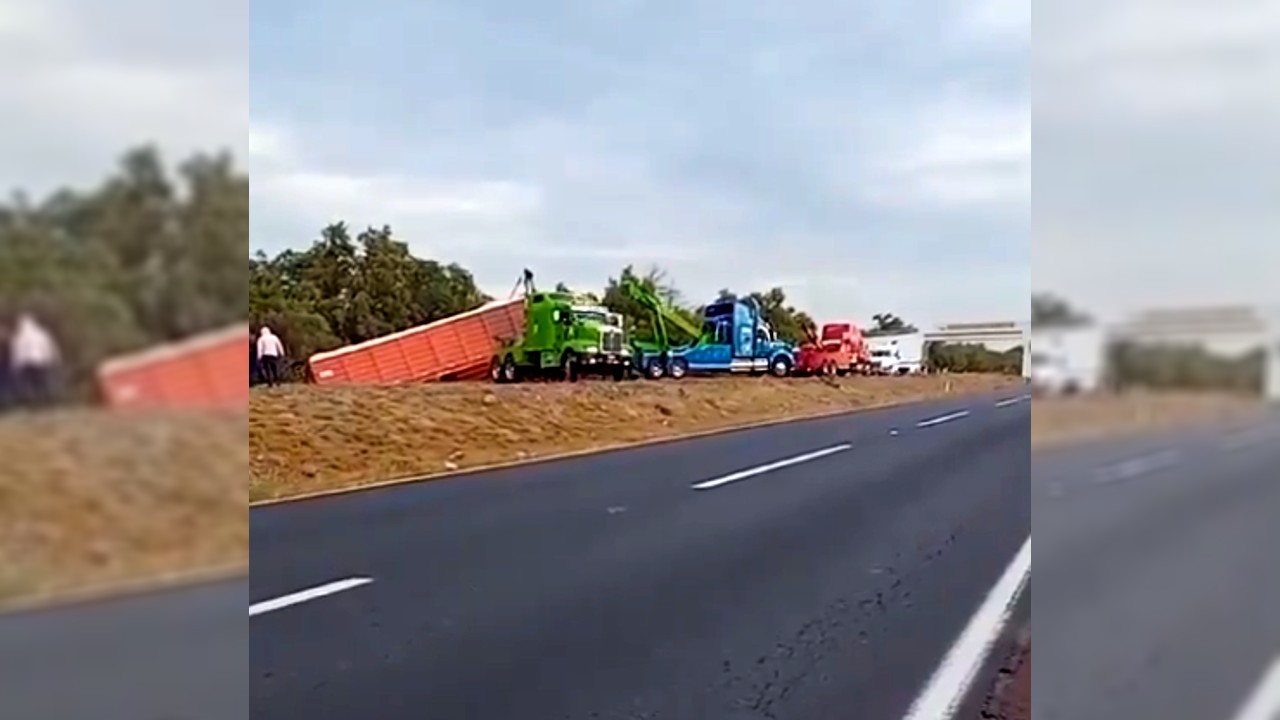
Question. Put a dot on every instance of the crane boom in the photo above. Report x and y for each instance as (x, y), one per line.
(662, 313)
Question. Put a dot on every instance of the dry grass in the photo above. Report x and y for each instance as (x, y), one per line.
(308, 439)
(1063, 420)
(88, 498)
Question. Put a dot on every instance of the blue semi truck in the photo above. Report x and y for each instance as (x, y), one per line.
(735, 338)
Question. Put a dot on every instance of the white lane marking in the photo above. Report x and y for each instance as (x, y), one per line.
(1243, 439)
(945, 418)
(1264, 703)
(946, 690)
(1012, 401)
(752, 472)
(1138, 466)
(308, 595)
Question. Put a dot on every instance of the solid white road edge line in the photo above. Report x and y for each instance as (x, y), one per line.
(1264, 704)
(752, 472)
(946, 690)
(945, 418)
(308, 595)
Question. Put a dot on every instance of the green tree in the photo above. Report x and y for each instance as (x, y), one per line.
(1052, 311)
(342, 291)
(145, 257)
(889, 324)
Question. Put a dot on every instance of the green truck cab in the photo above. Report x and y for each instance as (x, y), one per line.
(563, 338)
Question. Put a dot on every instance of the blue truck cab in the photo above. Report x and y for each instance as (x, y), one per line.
(734, 339)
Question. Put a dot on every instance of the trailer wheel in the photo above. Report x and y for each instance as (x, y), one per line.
(780, 367)
(679, 368)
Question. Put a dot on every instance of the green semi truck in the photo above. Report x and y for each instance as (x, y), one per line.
(563, 338)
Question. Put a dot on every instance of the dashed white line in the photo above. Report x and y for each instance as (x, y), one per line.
(1243, 439)
(950, 683)
(1264, 704)
(945, 418)
(307, 595)
(1012, 401)
(1137, 467)
(762, 469)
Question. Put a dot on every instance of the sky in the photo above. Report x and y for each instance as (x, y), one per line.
(866, 157)
(81, 81)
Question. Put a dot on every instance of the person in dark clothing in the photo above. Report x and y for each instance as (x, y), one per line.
(270, 356)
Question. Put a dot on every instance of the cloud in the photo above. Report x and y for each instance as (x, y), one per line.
(730, 145)
(1158, 164)
(80, 82)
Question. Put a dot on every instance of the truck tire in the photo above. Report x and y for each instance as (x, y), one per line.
(653, 369)
(780, 366)
(569, 370)
(679, 368)
(504, 370)
(620, 372)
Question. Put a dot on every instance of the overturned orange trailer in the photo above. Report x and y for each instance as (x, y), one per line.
(459, 347)
(206, 371)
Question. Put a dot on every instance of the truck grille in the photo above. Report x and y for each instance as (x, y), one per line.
(611, 342)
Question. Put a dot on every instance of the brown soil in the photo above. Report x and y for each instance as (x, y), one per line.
(1010, 697)
(88, 498)
(1061, 420)
(306, 439)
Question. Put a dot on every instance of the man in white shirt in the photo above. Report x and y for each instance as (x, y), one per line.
(270, 355)
(33, 357)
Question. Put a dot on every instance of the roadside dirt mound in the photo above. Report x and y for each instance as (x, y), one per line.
(1060, 420)
(306, 439)
(89, 498)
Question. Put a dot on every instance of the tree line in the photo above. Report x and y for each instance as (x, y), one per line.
(1159, 366)
(343, 290)
(146, 256)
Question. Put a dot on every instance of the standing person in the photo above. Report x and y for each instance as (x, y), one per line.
(270, 355)
(6, 376)
(33, 356)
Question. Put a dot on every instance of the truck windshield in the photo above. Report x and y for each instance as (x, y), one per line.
(588, 316)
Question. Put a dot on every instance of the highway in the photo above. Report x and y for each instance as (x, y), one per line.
(817, 569)
(1158, 577)
(179, 654)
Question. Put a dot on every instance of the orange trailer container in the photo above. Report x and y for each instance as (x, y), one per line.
(206, 371)
(455, 348)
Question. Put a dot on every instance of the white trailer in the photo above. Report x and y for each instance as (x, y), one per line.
(1067, 360)
(897, 354)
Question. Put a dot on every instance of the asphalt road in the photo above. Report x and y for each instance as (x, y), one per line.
(820, 569)
(174, 655)
(1158, 577)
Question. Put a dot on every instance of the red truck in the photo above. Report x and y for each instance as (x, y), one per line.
(840, 349)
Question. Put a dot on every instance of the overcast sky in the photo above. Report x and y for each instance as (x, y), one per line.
(83, 80)
(867, 156)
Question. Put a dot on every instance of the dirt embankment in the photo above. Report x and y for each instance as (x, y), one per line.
(308, 439)
(1063, 420)
(88, 498)
(1010, 697)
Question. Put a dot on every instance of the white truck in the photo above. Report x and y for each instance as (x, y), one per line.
(1067, 360)
(897, 354)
